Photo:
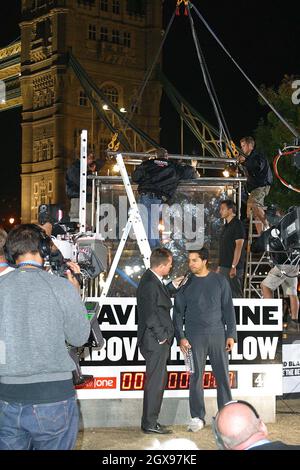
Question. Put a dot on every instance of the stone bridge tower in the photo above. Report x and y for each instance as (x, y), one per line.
(115, 41)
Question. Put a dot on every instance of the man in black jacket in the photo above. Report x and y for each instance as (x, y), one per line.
(155, 335)
(157, 182)
(73, 187)
(237, 426)
(259, 180)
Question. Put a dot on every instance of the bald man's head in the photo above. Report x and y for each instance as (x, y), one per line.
(239, 425)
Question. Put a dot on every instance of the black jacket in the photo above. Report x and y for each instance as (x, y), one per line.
(161, 177)
(258, 171)
(153, 308)
(73, 180)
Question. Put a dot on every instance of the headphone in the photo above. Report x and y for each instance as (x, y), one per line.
(219, 440)
(44, 245)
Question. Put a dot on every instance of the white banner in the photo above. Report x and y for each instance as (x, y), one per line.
(118, 368)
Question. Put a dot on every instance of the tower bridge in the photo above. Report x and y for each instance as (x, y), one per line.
(115, 42)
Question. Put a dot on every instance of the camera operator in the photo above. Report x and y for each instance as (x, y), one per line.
(58, 264)
(39, 313)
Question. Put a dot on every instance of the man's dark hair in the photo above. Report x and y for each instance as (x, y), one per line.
(203, 253)
(248, 139)
(25, 238)
(3, 237)
(230, 204)
(161, 153)
(159, 256)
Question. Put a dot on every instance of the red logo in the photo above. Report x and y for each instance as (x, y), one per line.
(103, 383)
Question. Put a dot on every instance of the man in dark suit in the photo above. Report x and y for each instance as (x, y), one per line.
(237, 426)
(155, 335)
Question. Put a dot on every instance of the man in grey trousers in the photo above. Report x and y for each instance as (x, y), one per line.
(39, 313)
(204, 305)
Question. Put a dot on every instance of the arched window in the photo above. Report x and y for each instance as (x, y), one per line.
(112, 94)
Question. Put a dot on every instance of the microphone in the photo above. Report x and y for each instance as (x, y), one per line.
(185, 279)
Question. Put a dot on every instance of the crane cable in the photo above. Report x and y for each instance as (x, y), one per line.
(223, 129)
(291, 129)
(148, 74)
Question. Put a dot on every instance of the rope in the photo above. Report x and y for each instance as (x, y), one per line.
(223, 130)
(177, 105)
(171, 90)
(291, 129)
(148, 74)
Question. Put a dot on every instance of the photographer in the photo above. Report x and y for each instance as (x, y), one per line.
(73, 186)
(39, 313)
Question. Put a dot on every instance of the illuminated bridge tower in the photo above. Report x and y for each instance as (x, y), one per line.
(115, 41)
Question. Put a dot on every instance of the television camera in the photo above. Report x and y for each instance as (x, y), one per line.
(282, 240)
(86, 249)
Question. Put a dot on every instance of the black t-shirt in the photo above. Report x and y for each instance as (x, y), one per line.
(229, 234)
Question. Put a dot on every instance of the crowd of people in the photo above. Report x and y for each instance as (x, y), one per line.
(40, 314)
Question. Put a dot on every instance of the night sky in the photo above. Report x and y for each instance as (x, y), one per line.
(263, 37)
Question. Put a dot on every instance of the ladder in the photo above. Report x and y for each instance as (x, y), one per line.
(135, 222)
(257, 265)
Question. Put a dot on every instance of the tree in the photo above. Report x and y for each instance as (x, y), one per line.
(271, 135)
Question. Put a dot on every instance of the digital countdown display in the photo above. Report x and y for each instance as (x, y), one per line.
(177, 380)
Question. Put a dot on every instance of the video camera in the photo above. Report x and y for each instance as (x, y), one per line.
(282, 239)
(88, 250)
(289, 228)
